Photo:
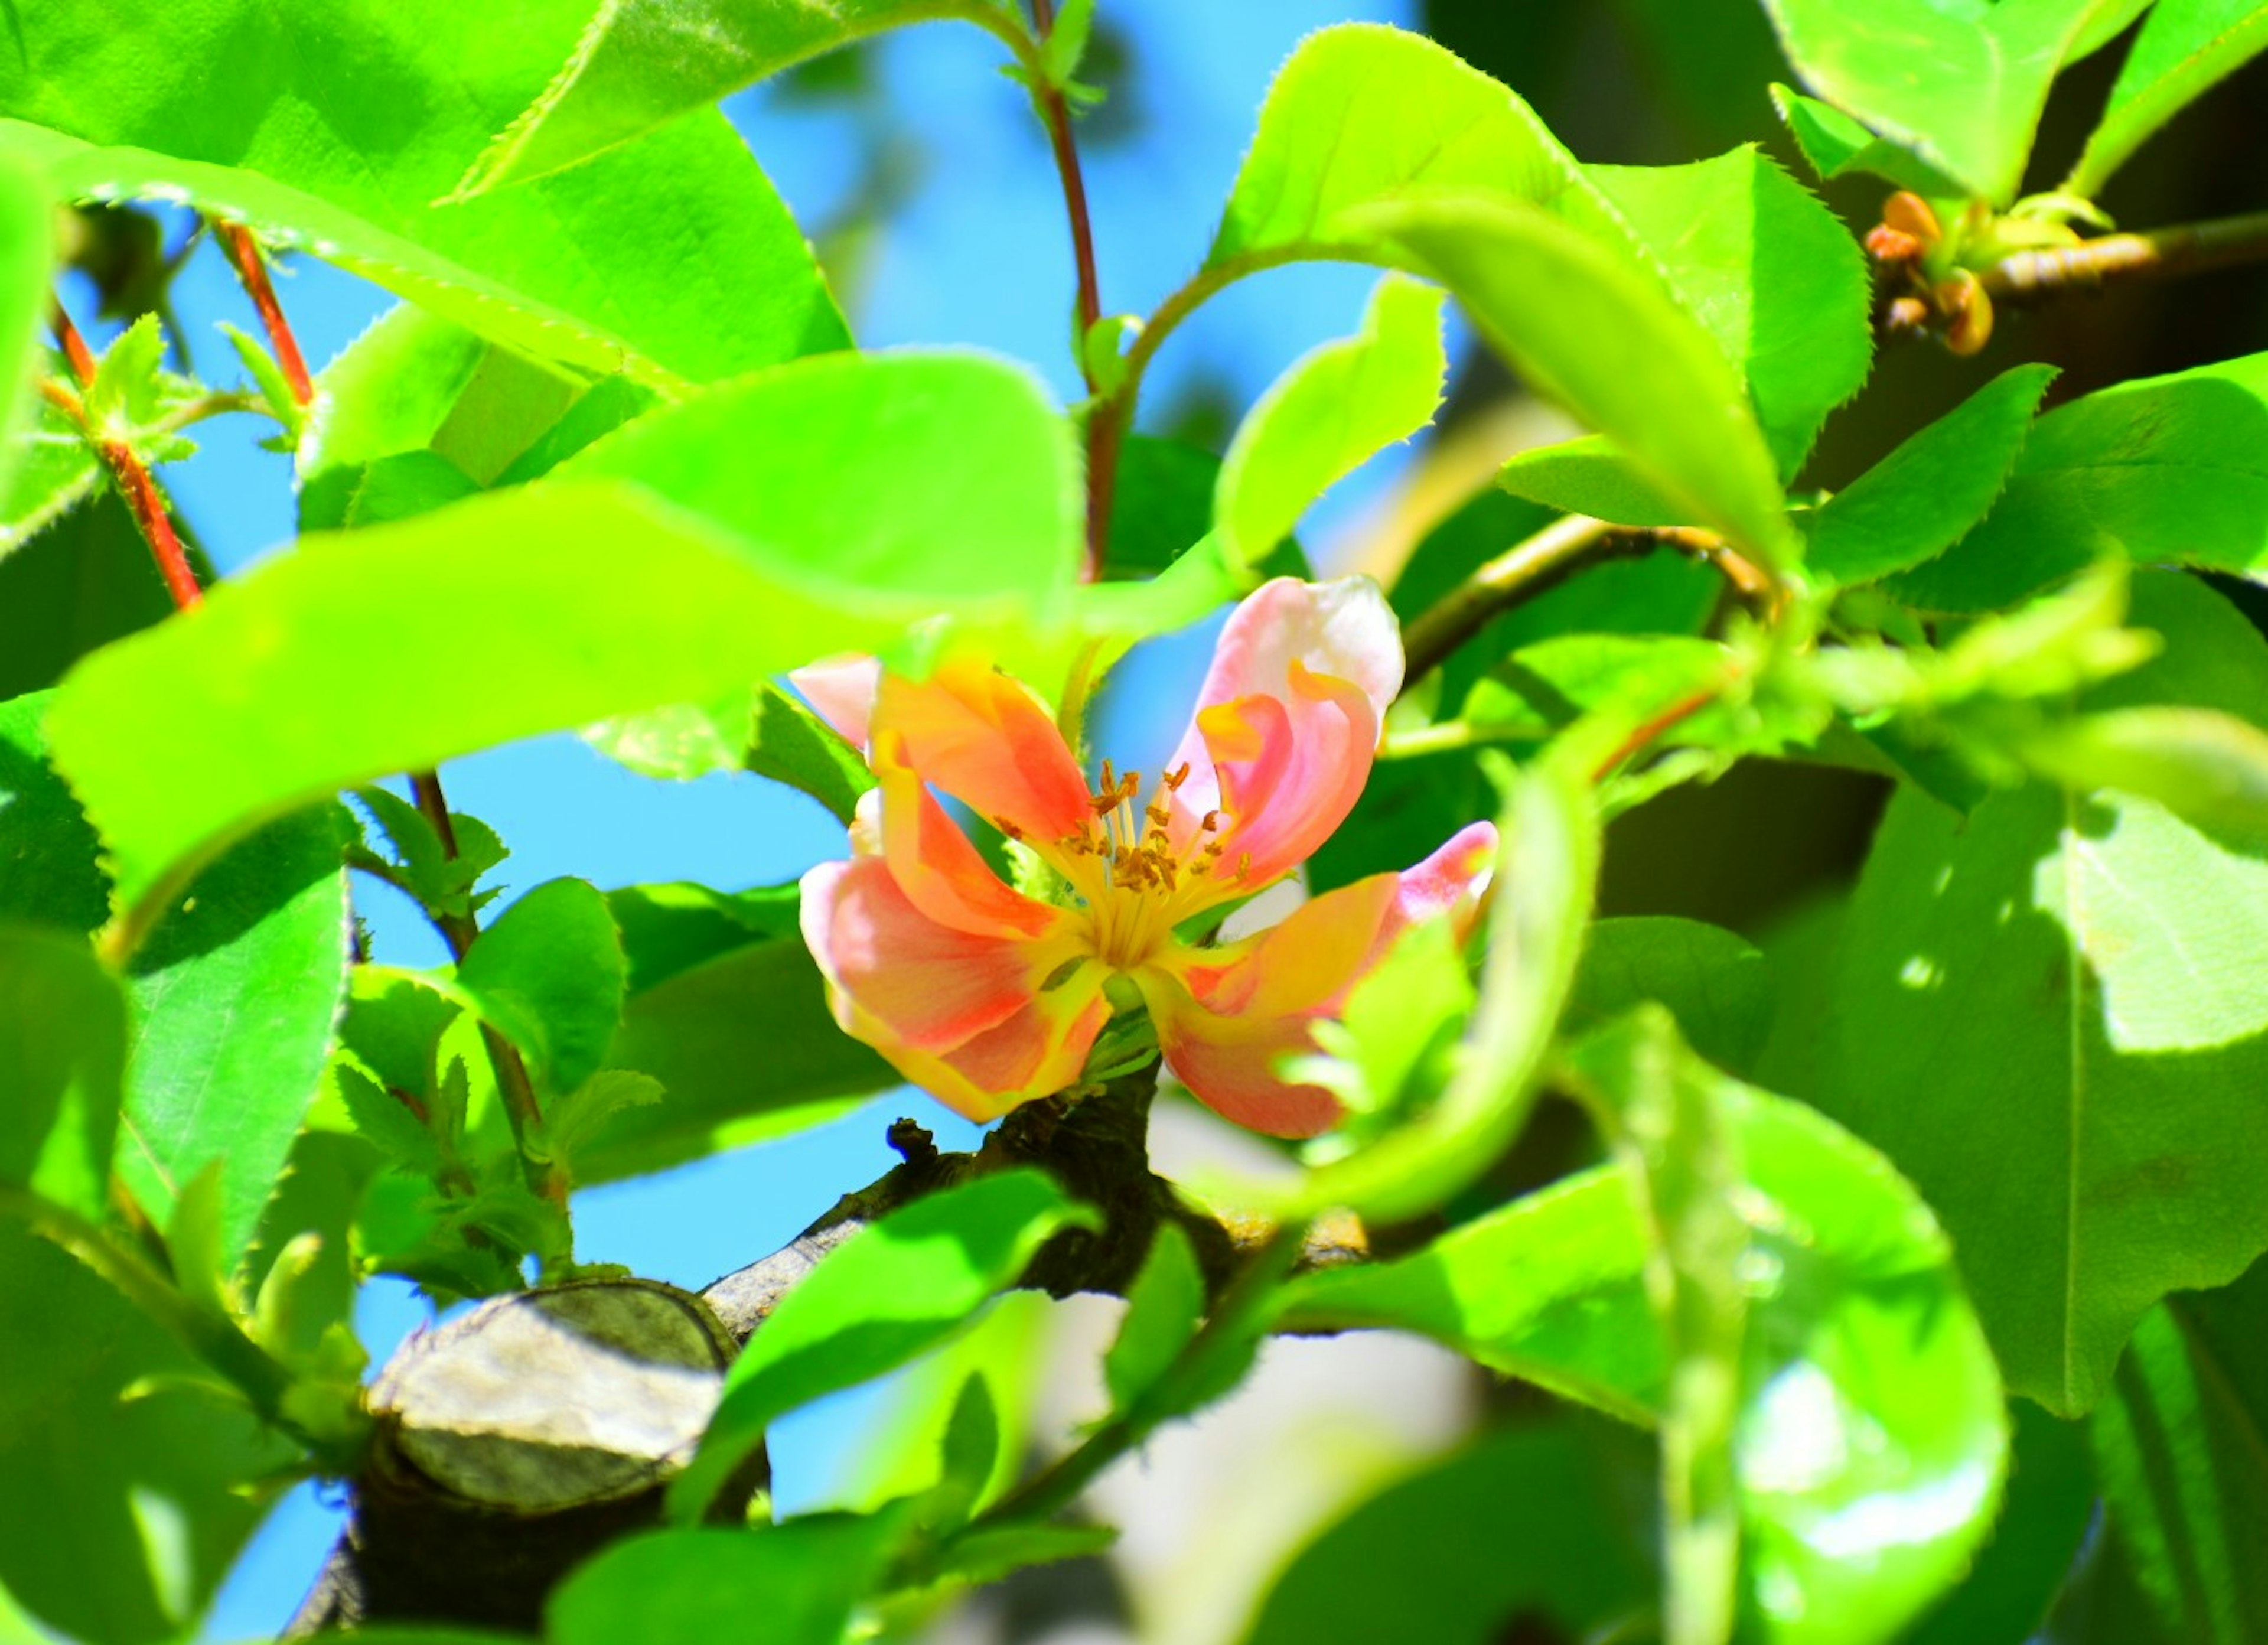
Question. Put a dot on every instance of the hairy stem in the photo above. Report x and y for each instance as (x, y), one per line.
(244, 251)
(131, 475)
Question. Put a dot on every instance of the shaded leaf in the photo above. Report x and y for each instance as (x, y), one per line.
(49, 874)
(1717, 988)
(1163, 1308)
(62, 1054)
(790, 1584)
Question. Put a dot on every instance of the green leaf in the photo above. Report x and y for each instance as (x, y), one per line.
(1962, 86)
(1395, 1040)
(2161, 469)
(2049, 1017)
(1588, 327)
(84, 578)
(987, 1556)
(63, 1055)
(1546, 1289)
(1330, 412)
(26, 253)
(47, 468)
(790, 1584)
(1680, 1154)
(1541, 689)
(1921, 499)
(1411, 1562)
(2206, 767)
(125, 391)
(1362, 114)
(2043, 1521)
(342, 143)
(276, 392)
(545, 567)
(671, 927)
(745, 1046)
(1835, 145)
(2181, 1448)
(233, 994)
(2185, 48)
(1587, 475)
(1717, 987)
(643, 63)
(48, 870)
(549, 976)
(1163, 1308)
(859, 464)
(1769, 273)
(761, 729)
(889, 1292)
(1535, 935)
(141, 1489)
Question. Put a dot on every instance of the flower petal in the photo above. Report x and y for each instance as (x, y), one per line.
(1036, 1052)
(985, 740)
(940, 873)
(1343, 629)
(1225, 1017)
(841, 691)
(894, 971)
(1287, 770)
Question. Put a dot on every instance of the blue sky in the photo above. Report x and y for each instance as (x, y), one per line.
(978, 254)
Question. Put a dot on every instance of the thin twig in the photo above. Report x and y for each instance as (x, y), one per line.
(1467, 608)
(131, 475)
(244, 251)
(2030, 277)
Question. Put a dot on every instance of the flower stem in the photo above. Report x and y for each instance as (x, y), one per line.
(244, 251)
(131, 475)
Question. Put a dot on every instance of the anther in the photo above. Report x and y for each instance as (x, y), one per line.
(1174, 779)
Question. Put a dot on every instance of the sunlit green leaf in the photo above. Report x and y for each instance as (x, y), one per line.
(26, 252)
(1940, 481)
(233, 996)
(788, 1584)
(1329, 413)
(1587, 476)
(2043, 1521)
(761, 729)
(889, 1292)
(142, 1490)
(2185, 48)
(62, 1054)
(1163, 1307)
(2048, 1016)
(672, 260)
(1961, 85)
(2161, 469)
(1836, 145)
(642, 63)
(1769, 272)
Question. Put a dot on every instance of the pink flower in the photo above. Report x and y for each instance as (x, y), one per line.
(988, 998)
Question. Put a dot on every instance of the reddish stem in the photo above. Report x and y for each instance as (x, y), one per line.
(1103, 426)
(244, 251)
(1676, 714)
(127, 471)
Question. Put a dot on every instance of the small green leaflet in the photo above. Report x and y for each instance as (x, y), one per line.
(2185, 48)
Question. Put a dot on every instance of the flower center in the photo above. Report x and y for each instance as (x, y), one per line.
(1140, 885)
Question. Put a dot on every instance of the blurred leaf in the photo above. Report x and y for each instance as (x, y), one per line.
(573, 1118)
(989, 1555)
(1666, 1124)
(1545, 1288)
(1541, 689)
(2049, 1016)
(1163, 1308)
(144, 1491)
(2206, 767)
(234, 995)
(1591, 328)
(745, 1047)
(1549, 829)
(2043, 1527)
(62, 1054)
(1412, 1563)
(27, 255)
(1394, 1042)
(84, 578)
(1717, 987)
(1769, 273)
(550, 974)
(2161, 469)
(2185, 48)
(1920, 500)
(582, 270)
(2181, 1448)
(857, 459)
(125, 392)
(644, 63)
(890, 1291)
(789, 1584)
(1587, 475)
(1963, 87)
(1336, 407)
